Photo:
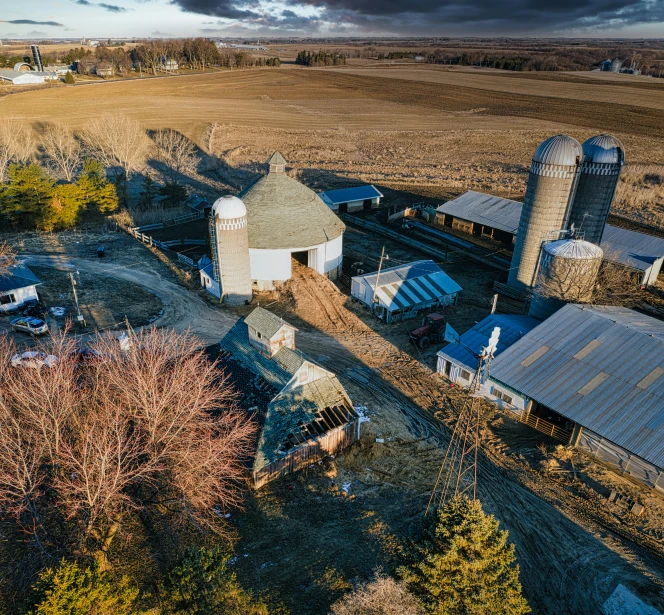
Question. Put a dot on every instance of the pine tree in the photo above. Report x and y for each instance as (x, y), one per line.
(27, 196)
(466, 566)
(98, 192)
(203, 583)
(69, 78)
(71, 590)
(148, 192)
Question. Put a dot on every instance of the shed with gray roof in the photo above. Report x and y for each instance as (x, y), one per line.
(17, 286)
(601, 369)
(304, 411)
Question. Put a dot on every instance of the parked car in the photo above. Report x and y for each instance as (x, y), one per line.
(34, 359)
(29, 324)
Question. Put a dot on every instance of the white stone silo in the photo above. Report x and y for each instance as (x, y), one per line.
(551, 184)
(231, 250)
(603, 159)
(567, 274)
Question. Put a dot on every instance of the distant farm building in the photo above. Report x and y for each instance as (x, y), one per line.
(304, 411)
(458, 363)
(19, 286)
(401, 292)
(169, 65)
(22, 77)
(104, 69)
(491, 217)
(599, 372)
(199, 204)
(23, 67)
(352, 199)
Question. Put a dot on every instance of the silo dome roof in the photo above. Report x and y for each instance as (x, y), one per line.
(604, 149)
(577, 249)
(229, 208)
(560, 150)
(282, 213)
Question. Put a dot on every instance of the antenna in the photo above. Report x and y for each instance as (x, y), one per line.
(458, 472)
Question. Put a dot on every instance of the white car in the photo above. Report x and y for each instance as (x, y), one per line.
(34, 359)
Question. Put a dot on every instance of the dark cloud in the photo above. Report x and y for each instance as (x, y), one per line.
(31, 22)
(113, 8)
(438, 17)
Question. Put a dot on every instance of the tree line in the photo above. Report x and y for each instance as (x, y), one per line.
(151, 56)
(320, 58)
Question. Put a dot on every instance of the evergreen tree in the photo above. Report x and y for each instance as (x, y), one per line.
(203, 583)
(27, 196)
(69, 78)
(65, 208)
(148, 192)
(97, 191)
(175, 194)
(466, 566)
(71, 590)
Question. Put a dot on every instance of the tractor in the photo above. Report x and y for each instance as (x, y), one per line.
(432, 330)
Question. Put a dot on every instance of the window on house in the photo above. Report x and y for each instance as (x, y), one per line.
(7, 299)
(465, 375)
(259, 335)
(504, 396)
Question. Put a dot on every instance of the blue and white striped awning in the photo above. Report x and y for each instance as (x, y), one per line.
(406, 286)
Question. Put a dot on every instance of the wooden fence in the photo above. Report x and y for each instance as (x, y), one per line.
(540, 425)
(167, 246)
(313, 451)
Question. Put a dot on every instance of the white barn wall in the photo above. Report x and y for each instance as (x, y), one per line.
(21, 295)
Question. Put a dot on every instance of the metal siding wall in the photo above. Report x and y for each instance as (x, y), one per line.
(544, 208)
(594, 195)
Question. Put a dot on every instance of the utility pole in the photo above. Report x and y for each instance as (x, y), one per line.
(380, 266)
(79, 316)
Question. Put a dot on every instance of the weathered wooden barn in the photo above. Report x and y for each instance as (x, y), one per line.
(304, 411)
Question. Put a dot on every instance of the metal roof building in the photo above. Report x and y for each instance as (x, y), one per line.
(405, 289)
(352, 199)
(305, 412)
(638, 251)
(285, 218)
(455, 359)
(16, 77)
(603, 369)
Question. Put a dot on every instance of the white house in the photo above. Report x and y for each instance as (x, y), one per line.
(17, 288)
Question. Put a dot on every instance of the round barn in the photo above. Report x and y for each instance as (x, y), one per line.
(287, 220)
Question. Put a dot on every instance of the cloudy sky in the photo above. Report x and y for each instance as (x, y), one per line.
(164, 18)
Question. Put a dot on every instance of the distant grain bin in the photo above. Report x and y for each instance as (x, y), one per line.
(551, 184)
(230, 249)
(567, 274)
(603, 159)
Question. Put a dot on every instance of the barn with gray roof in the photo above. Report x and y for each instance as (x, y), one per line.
(600, 371)
(487, 216)
(303, 410)
(287, 220)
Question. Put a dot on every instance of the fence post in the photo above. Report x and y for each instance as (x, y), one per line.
(150, 240)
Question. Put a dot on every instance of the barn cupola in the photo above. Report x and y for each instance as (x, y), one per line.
(268, 333)
(277, 163)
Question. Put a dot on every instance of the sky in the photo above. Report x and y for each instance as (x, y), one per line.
(263, 18)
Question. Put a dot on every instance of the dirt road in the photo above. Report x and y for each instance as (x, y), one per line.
(183, 310)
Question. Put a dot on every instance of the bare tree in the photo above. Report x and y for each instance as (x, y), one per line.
(175, 153)
(7, 258)
(16, 144)
(151, 430)
(63, 150)
(383, 596)
(116, 141)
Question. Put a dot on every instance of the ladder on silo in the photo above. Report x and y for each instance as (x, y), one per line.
(213, 249)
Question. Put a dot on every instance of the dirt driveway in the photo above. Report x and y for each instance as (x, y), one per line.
(182, 309)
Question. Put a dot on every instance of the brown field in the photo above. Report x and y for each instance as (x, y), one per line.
(430, 131)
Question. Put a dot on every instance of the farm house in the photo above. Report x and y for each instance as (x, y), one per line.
(401, 292)
(360, 198)
(17, 288)
(490, 217)
(304, 411)
(599, 372)
(457, 363)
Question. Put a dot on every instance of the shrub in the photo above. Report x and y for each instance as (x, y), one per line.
(72, 590)
(383, 596)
